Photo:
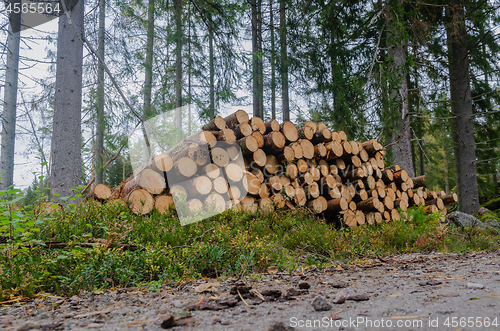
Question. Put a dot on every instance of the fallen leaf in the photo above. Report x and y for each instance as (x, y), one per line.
(272, 269)
(339, 268)
(205, 287)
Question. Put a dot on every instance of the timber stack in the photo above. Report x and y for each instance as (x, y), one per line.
(242, 163)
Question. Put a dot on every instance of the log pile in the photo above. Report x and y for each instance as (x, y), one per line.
(249, 164)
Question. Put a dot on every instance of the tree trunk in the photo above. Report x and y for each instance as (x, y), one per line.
(148, 76)
(273, 69)
(461, 108)
(260, 68)
(255, 66)
(401, 151)
(211, 112)
(284, 63)
(66, 168)
(10, 104)
(178, 63)
(99, 144)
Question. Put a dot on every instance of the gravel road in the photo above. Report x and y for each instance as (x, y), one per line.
(405, 292)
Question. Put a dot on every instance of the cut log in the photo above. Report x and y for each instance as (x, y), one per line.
(178, 192)
(438, 202)
(290, 131)
(238, 117)
(419, 181)
(363, 155)
(211, 170)
(347, 148)
(215, 203)
(356, 161)
(307, 148)
(233, 152)
(287, 155)
(340, 164)
(220, 156)
(334, 150)
(300, 197)
(102, 191)
(216, 124)
(372, 146)
(272, 165)
(194, 205)
(292, 170)
(275, 184)
(259, 174)
(201, 185)
(297, 150)
(278, 200)
(163, 203)
(162, 162)
(389, 202)
(369, 204)
(354, 147)
(150, 180)
(401, 176)
(234, 193)
(307, 130)
(234, 172)
(322, 136)
(337, 204)
(226, 135)
(248, 145)
(253, 184)
(260, 138)
(220, 185)
(258, 125)
(272, 125)
(450, 198)
(318, 205)
(342, 135)
(141, 201)
(264, 191)
(320, 151)
(259, 157)
(274, 141)
(242, 130)
(312, 190)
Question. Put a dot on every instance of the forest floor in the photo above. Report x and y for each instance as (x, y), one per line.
(418, 291)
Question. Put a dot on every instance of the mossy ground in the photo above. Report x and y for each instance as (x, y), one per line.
(231, 244)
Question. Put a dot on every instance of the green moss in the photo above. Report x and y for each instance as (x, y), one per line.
(493, 204)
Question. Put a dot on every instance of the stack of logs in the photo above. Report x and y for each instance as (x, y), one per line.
(283, 165)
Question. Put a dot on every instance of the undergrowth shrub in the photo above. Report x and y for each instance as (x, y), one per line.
(232, 244)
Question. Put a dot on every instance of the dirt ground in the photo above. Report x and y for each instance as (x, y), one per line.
(405, 292)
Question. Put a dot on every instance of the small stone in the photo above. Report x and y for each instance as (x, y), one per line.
(319, 304)
(339, 298)
(360, 297)
(474, 286)
(304, 286)
(176, 303)
(168, 322)
(43, 315)
(28, 326)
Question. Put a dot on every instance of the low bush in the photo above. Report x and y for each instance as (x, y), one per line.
(231, 244)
